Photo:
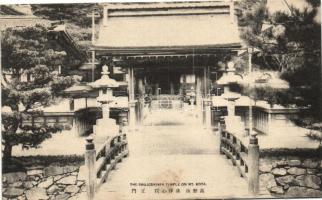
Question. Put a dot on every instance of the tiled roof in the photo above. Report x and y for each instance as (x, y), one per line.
(15, 9)
(60, 33)
(178, 25)
(17, 16)
(78, 88)
(169, 4)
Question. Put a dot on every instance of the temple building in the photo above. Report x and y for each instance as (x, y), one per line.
(168, 50)
(164, 55)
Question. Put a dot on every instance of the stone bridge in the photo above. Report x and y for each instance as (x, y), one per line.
(173, 161)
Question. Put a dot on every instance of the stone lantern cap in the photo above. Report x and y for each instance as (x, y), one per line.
(105, 81)
(231, 96)
(230, 77)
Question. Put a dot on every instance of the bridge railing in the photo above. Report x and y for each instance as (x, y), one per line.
(234, 150)
(245, 158)
(100, 163)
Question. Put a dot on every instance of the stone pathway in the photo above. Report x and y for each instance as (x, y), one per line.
(173, 162)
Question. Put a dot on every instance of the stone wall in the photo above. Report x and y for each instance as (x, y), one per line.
(291, 176)
(52, 182)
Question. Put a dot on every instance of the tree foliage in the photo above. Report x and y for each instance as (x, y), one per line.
(290, 42)
(73, 13)
(74, 16)
(27, 51)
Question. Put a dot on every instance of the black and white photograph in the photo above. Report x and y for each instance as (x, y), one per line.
(161, 100)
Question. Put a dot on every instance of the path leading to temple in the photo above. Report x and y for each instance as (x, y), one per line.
(174, 154)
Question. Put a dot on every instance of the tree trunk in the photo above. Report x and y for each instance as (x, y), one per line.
(7, 152)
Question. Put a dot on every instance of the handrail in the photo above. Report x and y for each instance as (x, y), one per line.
(246, 159)
(235, 150)
(101, 163)
(111, 154)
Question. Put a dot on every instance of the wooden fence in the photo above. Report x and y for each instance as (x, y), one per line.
(245, 158)
(100, 163)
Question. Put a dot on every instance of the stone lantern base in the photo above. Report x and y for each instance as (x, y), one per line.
(105, 128)
(235, 125)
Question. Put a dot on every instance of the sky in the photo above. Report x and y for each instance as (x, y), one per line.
(276, 5)
(280, 5)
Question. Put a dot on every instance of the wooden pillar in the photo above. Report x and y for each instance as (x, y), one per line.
(204, 77)
(232, 11)
(156, 91)
(141, 100)
(207, 109)
(199, 100)
(105, 15)
(93, 66)
(253, 166)
(93, 27)
(207, 100)
(132, 124)
(181, 84)
(90, 158)
(141, 87)
(209, 82)
(171, 88)
(250, 121)
(132, 101)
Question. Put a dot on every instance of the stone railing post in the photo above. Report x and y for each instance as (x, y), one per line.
(221, 128)
(90, 158)
(253, 166)
(122, 124)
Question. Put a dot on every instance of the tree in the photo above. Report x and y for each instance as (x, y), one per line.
(73, 13)
(74, 16)
(28, 51)
(290, 44)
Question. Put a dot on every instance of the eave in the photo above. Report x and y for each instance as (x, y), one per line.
(165, 50)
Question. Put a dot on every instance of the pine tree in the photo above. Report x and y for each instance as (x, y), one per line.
(72, 13)
(289, 43)
(27, 50)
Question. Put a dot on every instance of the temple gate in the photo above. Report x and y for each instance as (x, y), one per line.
(169, 51)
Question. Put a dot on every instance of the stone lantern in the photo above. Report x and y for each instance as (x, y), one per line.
(227, 80)
(233, 123)
(105, 126)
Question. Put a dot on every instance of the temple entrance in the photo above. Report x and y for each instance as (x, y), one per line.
(169, 87)
(163, 80)
(180, 83)
(169, 94)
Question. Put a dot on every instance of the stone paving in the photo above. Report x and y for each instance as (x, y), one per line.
(167, 158)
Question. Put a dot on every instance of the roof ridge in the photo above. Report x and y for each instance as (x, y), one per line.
(172, 4)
